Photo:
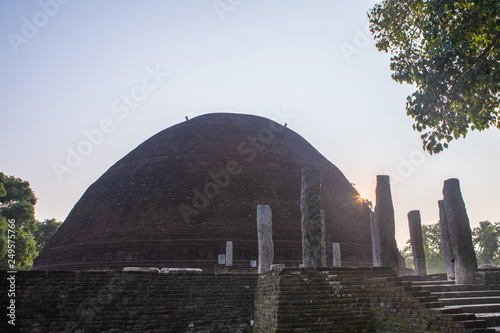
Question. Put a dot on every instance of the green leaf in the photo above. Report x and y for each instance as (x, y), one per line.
(451, 51)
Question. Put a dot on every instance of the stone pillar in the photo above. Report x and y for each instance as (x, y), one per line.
(336, 255)
(385, 224)
(445, 236)
(265, 237)
(417, 244)
(323, 237)
(459, 232)
(221, 259)
(312, 247)
(375, 241)
(229, 253)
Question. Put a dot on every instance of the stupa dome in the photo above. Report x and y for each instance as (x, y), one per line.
(178, 197)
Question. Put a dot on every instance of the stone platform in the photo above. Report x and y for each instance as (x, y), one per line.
(283, 300)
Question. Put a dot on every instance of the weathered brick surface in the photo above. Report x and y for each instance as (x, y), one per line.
(489, 277)
(229, 163)
(315, 300)
(290, 300)
(400, 306)
(352, 300)
(133, 302)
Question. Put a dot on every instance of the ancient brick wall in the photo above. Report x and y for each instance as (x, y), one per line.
(291, 299)
(266, 302)
(131, 301)
(315, 300)
(489, 277)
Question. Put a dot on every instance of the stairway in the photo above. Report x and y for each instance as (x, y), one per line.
(475, 305)
(316, 300)
(371, 300)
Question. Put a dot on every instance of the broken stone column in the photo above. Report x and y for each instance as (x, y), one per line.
(221, 259)
(312, 246)
(229, 253)
(375, 241)
(445, 237)
(385, 224)
(323, 237)
(265, 237)
(417, 243)
(459, 232)
(336, 255)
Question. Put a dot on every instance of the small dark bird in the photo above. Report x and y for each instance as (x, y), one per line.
(187, 118)
(286, 124)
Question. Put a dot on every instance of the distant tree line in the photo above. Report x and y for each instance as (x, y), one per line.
(485, 237)
(22, 238)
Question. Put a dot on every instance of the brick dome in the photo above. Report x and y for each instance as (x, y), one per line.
(179, 196)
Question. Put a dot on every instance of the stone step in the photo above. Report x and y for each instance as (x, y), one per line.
(451, 287)
(463, 294)
(493, 319)
(433, 282)
(348, 280)
(338, 271)
(448, 310)
(383, 279)
(427, 299)
(460, 302)
(470, 300)
(325, 277)
(475, 323)
(432, 277)
(476, 308)
(462, 316)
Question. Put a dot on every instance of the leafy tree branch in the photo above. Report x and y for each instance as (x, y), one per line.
(450, 50)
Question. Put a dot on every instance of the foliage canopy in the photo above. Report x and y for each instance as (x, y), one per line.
(450, 50)
(27, 237)
(17, 208)
(486, 239)
(46, 229)
(433, 249)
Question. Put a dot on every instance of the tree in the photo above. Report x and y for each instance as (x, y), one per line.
(450, 50)
(17, 214)
(433, 249)
(46, 229)
(407, 254)
(487, 242)
(3, 193)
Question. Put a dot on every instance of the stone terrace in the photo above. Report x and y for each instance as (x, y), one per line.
(284, 300)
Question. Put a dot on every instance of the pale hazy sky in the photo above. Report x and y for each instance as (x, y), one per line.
(133, 68)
